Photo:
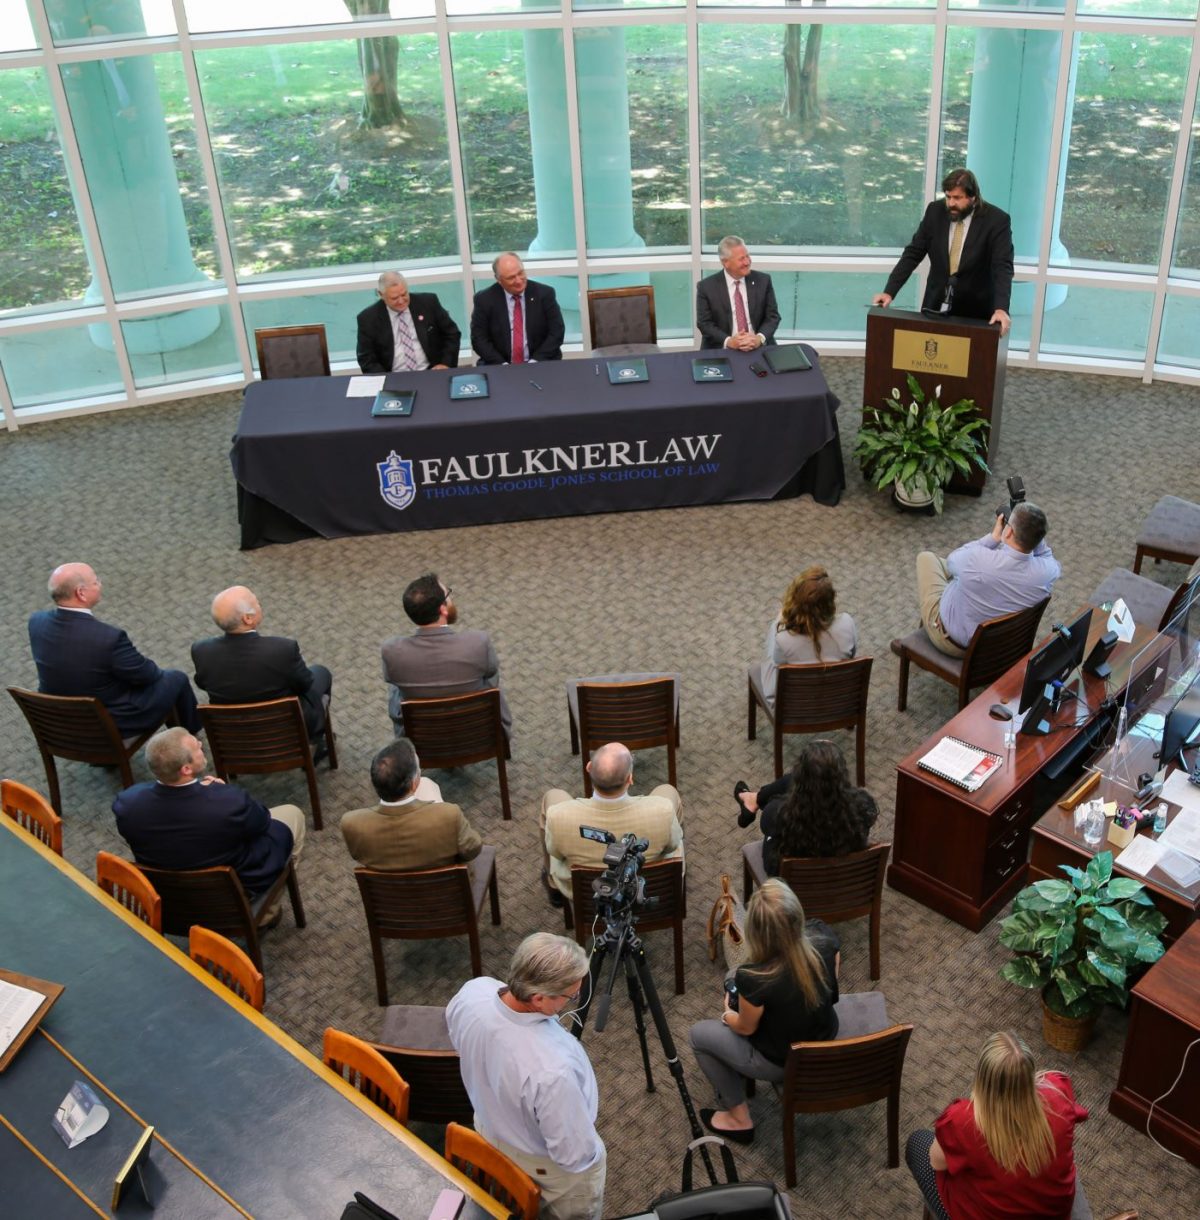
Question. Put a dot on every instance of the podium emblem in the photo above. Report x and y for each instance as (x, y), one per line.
(396, 483)
(931, 346)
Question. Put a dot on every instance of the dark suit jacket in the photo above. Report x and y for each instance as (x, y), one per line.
(438, 336)
(491, 337)
(714, 316)
(985, 263)
(78, 654)
(248, 668)
(203, 826)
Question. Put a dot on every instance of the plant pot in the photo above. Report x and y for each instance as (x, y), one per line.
(915, 493)
(1069, 1034)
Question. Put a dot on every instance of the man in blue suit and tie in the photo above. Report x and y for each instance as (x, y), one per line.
(516, 320)
(77, 654)
(735, 308)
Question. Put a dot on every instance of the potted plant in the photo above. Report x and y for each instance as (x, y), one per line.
(921, 445)
(1082, 942)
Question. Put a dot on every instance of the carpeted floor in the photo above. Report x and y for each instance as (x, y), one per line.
(146, 497)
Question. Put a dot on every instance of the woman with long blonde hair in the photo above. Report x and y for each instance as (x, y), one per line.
(1007, 1151)
(786, 994)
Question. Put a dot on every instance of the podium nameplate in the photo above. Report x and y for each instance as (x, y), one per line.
(920, 352)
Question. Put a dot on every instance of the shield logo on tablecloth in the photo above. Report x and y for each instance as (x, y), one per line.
(396, 484)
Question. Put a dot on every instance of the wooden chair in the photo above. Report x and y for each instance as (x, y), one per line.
(427, 904)
(227, 964)
(637, 714)
(995, 648)
(814, 699)
(292, 351)
(262, 738)
(819, 1077)
(80, 729)
(415, 1041)
(214, 899)
(368, 1071)
(459, 730)
(127, 884)
(621, 321)
(832, 888)
(492, 1171)
(664, 881)
(1170, 531)
(31, 812)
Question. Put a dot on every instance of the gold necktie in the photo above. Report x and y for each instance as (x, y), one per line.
(956, 246)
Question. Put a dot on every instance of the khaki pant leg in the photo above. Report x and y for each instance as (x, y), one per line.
(932, 579)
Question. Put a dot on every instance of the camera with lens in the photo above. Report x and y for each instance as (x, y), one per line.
(1016, 495)
(620, 888)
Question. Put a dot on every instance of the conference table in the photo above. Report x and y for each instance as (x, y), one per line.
(550, 440)
(246, 1122)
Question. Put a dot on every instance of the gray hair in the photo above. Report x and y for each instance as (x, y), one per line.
(387, 279)
(227, 610)
(727, 246)
(611, 767)
(545, 964)
(64, 580)
(1028, 525)
(167, 753)
(504, 254)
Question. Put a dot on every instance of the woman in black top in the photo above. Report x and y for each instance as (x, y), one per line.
(786, 994)
(815, 811)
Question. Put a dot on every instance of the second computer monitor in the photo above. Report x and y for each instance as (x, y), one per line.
(1056, 660)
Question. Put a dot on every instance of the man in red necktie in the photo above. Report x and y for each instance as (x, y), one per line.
(735, 308)
(516, 320)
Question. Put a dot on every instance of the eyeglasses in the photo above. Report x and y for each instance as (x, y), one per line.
(449, 594)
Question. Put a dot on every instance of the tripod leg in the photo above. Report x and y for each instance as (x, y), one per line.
(639, 1020)
(599, 953)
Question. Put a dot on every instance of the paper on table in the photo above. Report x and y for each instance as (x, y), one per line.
(1180, 868)
(1180, 792)
(1121, 621)
(363, 387)
(17, 1005)
(1142, 854)
(1183, 834)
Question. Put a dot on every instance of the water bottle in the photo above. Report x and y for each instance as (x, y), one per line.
(1093, 828)
(1160, 817)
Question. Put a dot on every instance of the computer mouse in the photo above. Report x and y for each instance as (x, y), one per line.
(1000, 711)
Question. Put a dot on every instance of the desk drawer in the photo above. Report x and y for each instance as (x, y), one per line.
(1014, 814)
(1004, 856)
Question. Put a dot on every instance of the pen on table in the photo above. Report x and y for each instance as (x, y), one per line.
(534, 384)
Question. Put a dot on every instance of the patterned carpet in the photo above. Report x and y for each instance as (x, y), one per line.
(147, 498)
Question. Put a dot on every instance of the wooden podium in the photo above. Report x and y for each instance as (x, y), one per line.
(965, 356)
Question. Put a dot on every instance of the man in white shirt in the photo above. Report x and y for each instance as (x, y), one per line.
(405, 332)
(735, 308)
(530, 1081)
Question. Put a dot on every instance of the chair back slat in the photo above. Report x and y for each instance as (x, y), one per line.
(211, 897)
(664, 881)
(70, 726)
(637, 714)
(228, 965)
(368, 1071)
(845, 1073)
(492, 1171)
(256, 738)
(835, 888)
(127, 884)
(456, 730)
(32, 812)
(417, 905)
(292, 351)
(999, 644)
(830, 695)
(436, 1093)
(622, 315)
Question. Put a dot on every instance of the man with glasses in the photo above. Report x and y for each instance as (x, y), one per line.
(436, 661)
(530, 1081)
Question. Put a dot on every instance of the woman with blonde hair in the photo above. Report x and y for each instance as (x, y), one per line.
(785, 994)
(806, 631)
(1007, 1151)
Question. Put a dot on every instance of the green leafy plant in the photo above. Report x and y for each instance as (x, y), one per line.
(921, 439)
(1082, 939)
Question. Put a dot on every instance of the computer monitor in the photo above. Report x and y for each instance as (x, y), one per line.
(1180, 725)
(1056, 660)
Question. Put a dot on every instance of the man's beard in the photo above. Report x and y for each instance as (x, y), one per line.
(960, 213)
(452, 614)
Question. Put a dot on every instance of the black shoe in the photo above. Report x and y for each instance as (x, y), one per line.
(745, 816)
(734, 1137)
(320, 751)
(553, 894)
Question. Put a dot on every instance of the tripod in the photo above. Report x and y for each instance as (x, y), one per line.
(621, 941)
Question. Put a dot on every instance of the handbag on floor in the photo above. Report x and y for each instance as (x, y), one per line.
(730, 1200)
(726, 921)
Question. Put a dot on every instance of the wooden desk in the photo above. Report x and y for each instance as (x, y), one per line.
(246, 1121)
(963, 853)
(1164, 1019)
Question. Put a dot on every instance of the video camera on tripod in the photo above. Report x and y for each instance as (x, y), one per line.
(620, 889)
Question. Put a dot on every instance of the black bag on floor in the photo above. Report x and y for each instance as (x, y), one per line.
(732, 1200)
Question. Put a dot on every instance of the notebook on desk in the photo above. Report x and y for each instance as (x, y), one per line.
(961, 764)
(787, 359)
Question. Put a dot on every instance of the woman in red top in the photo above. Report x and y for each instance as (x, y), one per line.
(1008, 1150)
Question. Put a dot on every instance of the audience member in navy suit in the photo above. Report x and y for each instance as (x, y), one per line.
(77, 654)
(186, 819)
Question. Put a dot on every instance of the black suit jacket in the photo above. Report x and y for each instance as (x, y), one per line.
(249, 668)
(985, 263)
(714, 316)
(491, 336)
(436, 333)
(203, 826)
(78, 654)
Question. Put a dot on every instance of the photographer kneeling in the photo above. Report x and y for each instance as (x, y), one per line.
(785, 994)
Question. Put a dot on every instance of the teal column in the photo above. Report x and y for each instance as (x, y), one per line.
(123, 142)
(1008, 142)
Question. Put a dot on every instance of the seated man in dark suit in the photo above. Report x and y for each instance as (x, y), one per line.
(516, 320)
(406, 829)
(733, 307)
(242, 666)
(77, 654)
(186, 819)
(405, 332)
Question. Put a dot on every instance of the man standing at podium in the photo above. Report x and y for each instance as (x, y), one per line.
(970, 249)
